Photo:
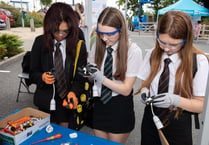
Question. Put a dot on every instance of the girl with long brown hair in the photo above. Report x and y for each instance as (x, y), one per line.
(113, 115)
(53, 50)
(185, 90)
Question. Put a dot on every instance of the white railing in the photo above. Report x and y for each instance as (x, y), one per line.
(204, 31)
(151, 27)
(147, 26)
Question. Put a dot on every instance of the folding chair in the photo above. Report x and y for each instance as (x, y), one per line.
(22, 84)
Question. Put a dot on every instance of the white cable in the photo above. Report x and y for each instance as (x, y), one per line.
(156, 120)
(151, 105)
(52, 102)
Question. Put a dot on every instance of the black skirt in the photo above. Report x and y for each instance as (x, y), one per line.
(178, 132)
(116, 116)
(61, 114)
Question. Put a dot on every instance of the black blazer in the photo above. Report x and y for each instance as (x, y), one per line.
(42, 61)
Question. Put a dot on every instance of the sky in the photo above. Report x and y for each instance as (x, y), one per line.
(35, 4)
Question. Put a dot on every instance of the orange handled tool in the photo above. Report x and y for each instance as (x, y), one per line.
(49, 138)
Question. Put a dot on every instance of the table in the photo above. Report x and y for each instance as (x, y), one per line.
(82, 139)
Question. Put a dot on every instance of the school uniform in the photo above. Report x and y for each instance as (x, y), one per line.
(178, 131)
(42, 60)
(117, 115)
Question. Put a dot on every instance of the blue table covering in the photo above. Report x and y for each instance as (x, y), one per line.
(82, 139)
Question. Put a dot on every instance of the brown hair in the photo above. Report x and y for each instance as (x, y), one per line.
(177, 25)
(113, 17)
(56, 14)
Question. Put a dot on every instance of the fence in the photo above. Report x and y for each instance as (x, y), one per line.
(204, 33)
(147, 27)
(151, 27)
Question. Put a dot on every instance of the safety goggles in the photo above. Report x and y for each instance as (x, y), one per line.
(169, 45)
(108, 33)
(62, 32)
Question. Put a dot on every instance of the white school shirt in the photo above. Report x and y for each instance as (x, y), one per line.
(199, 81)
(62, 49)
(133, 64)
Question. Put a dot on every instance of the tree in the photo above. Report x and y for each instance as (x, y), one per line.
(46, 2)
(159, 4)
(205, 3)
(132, 5)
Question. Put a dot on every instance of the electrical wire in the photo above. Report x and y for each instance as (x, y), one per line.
(151, 105)
(52, 102)
(156, 119)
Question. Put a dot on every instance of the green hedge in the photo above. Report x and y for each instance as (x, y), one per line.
(10, 45)
(38, 19)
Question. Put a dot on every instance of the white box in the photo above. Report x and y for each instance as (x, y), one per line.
(19, 138)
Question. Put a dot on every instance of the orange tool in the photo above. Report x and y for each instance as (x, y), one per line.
(49, 138)
(17, 123)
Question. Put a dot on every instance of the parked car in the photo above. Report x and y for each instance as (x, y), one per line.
(2, 24)
(6, 13)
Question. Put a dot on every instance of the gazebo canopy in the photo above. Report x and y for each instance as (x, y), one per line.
(188, 6)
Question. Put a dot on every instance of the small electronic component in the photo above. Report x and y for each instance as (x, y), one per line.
(73, 135)
(67, 143)
(49, 129)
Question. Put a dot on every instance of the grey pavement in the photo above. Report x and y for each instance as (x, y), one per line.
(9, 80)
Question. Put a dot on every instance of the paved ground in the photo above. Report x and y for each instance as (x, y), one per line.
(9, 81)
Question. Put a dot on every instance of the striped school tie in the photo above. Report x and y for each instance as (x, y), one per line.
(59, 72)
(106, 93)
(164, 78)
(164, 113)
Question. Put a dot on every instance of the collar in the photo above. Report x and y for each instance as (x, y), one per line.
(174, 57)
(63, 42)
(114, 47)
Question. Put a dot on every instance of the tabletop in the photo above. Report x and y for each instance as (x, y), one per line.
(81, 139)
